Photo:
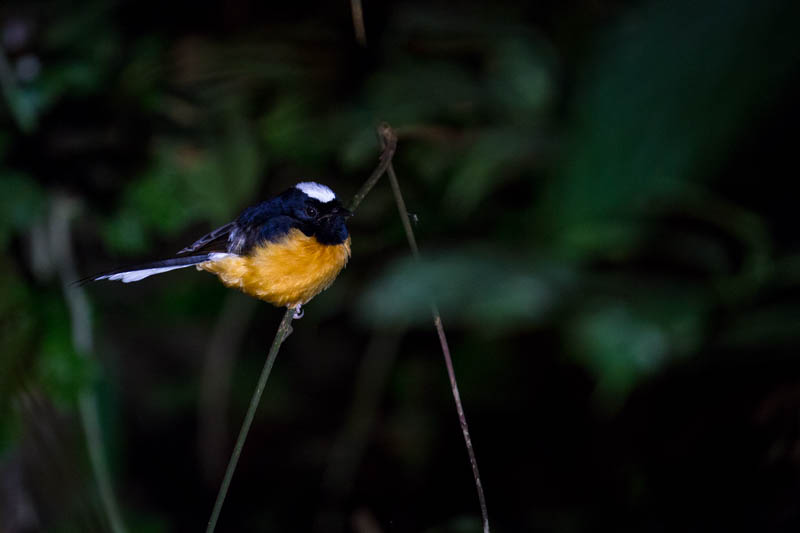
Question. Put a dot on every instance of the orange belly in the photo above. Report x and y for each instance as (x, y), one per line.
(289, 272)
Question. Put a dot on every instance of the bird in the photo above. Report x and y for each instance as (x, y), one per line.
(284, 251)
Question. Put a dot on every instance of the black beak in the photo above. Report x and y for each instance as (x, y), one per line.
(338, 211)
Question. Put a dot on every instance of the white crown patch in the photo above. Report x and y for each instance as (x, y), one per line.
(317, 191)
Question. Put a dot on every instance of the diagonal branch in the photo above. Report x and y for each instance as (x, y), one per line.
(437, 321)
(283, 331)
(388, 141)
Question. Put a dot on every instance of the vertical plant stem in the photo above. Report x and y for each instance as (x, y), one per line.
(437, 321)
(358, 22)
(60, 245)
(90, 418)
(280, 336)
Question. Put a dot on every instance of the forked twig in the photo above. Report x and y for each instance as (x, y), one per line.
(389, 145)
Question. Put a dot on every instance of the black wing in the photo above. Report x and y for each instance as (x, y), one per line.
(264, 221)
(219, 240)
(232, 238)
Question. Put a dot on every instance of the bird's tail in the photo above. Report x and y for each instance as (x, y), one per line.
(139, 272)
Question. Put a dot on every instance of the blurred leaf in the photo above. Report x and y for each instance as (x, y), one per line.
(416, 92)
(520, 78)
(22, 201)
(78, 77)
(158, 200)
(434, 163)
(487, 164)
(360, 146)
(80, 27)
(16, 314)
(60, 369)
(143, 74)
(17, 331)
(24, 105)
(668, 92)
(125, 233)
(291, 131)
(620, 348)
(77, 56)
(186, 184)
(478, 288)
(622, 343)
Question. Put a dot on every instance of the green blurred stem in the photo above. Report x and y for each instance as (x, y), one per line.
(437, 321)
(90, 418)
(389, 142)
(283, 331)
(60, 244)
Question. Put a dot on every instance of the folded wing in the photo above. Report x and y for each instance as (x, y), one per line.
(218, 240)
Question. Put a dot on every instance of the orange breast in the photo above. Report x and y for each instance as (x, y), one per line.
(289, 272)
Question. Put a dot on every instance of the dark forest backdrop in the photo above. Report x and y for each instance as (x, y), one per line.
(601, 192)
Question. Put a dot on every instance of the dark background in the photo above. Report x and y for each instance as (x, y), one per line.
(602, 197)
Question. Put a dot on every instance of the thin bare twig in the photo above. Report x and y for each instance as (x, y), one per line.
(462, 419)
(389, 144)
(280, 336)
(283, 331)
(437, 320)
(358, 22)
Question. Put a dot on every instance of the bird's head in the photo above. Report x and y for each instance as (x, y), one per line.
(318, 212)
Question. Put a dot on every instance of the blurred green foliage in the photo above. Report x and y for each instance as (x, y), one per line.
(23, 203)
(598, 193)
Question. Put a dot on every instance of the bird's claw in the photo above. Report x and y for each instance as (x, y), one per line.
(298, 312)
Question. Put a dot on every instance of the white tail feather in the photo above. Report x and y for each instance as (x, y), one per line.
(138, 275)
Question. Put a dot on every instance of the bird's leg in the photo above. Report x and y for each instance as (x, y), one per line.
(298, 311)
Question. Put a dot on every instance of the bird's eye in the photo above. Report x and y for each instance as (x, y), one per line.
(310, 211)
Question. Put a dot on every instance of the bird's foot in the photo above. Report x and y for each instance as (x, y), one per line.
(298, 312)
